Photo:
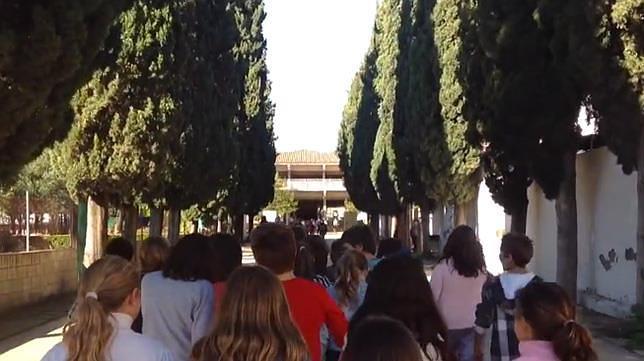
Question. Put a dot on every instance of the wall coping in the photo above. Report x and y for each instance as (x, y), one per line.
(24, 253)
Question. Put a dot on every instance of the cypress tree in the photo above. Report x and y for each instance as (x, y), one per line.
(254, 173)
(453, 168)
(47, 51)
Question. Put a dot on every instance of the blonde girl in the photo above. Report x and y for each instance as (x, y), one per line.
(349, 290)
(108, 300)
(254, 322)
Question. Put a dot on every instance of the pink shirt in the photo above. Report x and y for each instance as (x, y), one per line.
(537, 351)
(456, 296)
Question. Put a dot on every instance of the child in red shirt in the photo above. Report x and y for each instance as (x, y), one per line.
(311, 307)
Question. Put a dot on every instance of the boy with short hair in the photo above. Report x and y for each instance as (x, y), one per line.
(496, 311)
(275, 248)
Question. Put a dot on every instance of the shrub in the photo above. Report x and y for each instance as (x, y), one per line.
(57, 241)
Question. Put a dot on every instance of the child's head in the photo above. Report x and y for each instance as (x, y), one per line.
(465, 252)
(389, 247)
(254, 308)
(361, 238)
(191, 259)
(228, 255)
(110, 284)
(274, 247)
(516, 251)
(320, 251)
(121, 247)
(352, 270)
(338, 248)
(546, 313)
(153, 254)
(380, 338)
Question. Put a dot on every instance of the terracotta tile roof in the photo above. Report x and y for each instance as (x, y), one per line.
(307, 157)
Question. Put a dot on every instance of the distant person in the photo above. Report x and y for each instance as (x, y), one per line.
(497, 308)
(178, 302)
(320, 253)
(416, 235)
(322, 229)
(263, 220)
(108, 300)
(547, 328)
(398, 288)
(153, 254)
(299, 233)
(338, 248)
(456, 283)
(121, 247)
(274, 247)
(348, 290)
(361, 238)
(254, 323)
(390, 247)
(380, 338)
(227, 258)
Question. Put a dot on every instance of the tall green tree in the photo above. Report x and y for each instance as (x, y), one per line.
(452, 168)
(357, 135)
(47, 51)
(391, 42)
(251, 188)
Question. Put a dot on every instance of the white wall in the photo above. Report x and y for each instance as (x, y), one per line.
(491, 227)
(607, 220)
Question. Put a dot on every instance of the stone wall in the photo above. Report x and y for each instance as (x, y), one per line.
(30, 277)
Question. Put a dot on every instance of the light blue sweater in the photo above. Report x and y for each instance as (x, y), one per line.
(177, 313)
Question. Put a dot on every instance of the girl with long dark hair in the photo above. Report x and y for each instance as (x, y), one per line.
(457, 282)
(398, 288)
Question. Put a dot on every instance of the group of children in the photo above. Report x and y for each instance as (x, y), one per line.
(194, 301)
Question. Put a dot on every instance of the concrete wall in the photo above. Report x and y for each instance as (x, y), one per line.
(29, 277)
(607, 225)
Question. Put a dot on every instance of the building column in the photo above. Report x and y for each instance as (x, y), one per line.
(324, 187)
(288, 176)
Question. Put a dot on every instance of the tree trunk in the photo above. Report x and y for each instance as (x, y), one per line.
(130, 217)
(374, 223)
(174, 221)
(640, 221)
(460, 214)
(566, 210)
(519, 219)
(195, 226)
(73, 226)
(96, 235)
(424, 231)
(251, 223)
(437, 219)
(156, 221)
(449, 220)
(402, 226)
(238, 226)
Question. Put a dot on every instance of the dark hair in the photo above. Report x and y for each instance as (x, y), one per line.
(320, 251)
(389, 247)
(153, 254)
(121, 247)
(361, 235)
(380, 338)
(228, 255)
(191, 259)
(274, 247)
(338, 248)
(551, 314)
(304, 263)
(465, 252)
(299, 233)
(398, 288)
(519, 246)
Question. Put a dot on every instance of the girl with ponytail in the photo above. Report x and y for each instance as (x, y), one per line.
(349, 289)
(108, 300)
(546, 327)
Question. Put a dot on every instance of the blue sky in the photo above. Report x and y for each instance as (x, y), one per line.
(314, 49)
